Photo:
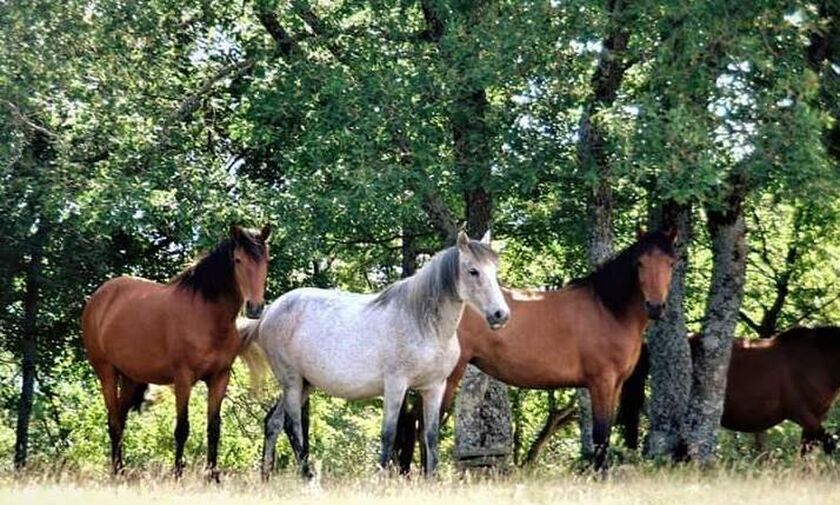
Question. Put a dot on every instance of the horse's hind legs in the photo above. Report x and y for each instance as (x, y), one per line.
(108, 379)
(183, 389)
(293, 425)
(392, 403)
(273, 423)
(814, 436)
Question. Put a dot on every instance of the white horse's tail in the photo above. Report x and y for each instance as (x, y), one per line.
(252, 354)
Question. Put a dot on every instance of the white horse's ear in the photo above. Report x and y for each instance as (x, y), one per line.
(463, 241)
(486, 238)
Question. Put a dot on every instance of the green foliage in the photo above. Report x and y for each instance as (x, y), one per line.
(133, 133)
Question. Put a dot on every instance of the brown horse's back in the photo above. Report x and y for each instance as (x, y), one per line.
(788, 377)
(145, 330)
(556, 339)
(758, 380)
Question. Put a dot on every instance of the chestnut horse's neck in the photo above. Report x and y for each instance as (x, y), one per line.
(212, 278)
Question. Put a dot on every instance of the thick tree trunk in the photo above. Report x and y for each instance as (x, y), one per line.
(711, 362)
(29, 349)
(670, 355)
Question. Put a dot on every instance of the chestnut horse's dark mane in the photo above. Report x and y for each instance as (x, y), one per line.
(211, 276)
(616, 281)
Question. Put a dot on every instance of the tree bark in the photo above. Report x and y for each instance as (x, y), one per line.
(711, 362)
(483, 428)
(29, 347)
(670, 355)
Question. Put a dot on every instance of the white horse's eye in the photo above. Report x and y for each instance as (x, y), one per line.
(474, 272)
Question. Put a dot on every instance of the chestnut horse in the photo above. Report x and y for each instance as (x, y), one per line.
(793, 376)
(587, 334)
(137, 332)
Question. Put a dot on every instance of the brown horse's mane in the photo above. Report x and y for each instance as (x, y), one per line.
(211, 275)
(616, 281)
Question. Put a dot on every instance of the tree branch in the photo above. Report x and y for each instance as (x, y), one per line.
(192, 102)
(32, 125)
(285, 42)
(557, 418)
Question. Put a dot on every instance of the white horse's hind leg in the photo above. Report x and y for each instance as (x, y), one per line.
(293, 425)
(392, 402)
(432, 398)
(273, 424)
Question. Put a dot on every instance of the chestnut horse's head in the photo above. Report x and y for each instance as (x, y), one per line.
(654, 264)
(250, 266)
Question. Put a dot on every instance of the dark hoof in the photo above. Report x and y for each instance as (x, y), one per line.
(307, 474)
(213, 475)
(178, 472)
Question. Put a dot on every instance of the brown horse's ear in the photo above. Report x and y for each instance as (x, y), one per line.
(671, 233)
(265, 232)
(640, 232)
(235, 232)
(463, 241)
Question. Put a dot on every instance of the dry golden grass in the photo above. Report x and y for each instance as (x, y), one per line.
(624, 485)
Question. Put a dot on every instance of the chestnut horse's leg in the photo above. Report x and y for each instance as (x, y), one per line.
(127, 399)
(108, 378)
(432, 398)
(216, 387)
(603, 393)
(183, 388)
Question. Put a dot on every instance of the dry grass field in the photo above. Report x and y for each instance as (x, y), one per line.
(802, 484)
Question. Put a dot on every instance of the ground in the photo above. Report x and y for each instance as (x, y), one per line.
(812, 484)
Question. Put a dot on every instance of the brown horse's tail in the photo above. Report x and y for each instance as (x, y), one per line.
(632, 400)
(252, 354)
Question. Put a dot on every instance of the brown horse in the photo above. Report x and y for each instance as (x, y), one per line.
(585, 335)
(137, 332)
(793, 376)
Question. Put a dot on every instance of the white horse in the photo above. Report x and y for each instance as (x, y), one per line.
(358, 346)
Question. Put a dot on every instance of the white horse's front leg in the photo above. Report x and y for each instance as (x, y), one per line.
(392, 403)
(432, 398)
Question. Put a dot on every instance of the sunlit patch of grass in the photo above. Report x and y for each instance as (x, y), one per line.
(811, 482)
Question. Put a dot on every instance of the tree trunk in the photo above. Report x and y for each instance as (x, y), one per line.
(473, 158)
(726, 291)
(483, 434)
(29, 349)
(670, 355)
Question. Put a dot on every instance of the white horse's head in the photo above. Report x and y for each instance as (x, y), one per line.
(478, 286)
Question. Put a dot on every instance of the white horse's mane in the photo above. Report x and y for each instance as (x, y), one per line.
(421, 294)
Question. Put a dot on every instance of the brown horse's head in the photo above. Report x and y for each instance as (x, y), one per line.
(250, 266)
(655, 263)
